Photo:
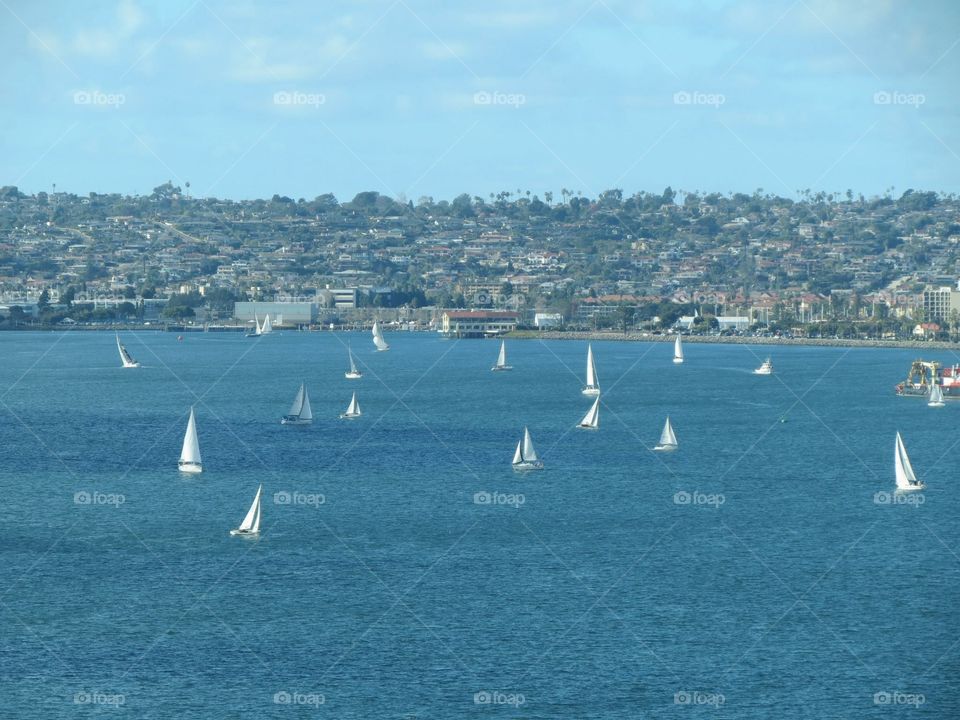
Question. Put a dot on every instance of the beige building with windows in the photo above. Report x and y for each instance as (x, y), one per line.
(939, 302)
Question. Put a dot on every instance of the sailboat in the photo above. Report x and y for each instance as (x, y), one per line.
(935, 399)
(190, 453)
(125, 357)
(677, 351)
(502, 358)
(256, 327)
(353, 410)
(593, 385)
(378, 337)
(353, 373)
(591, 421)
(906, 479)
(251, 523)
(300, 412)
(525, 457)
(668, 441)
(267, 326)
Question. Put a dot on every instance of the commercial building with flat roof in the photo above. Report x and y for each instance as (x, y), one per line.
(477, 323)
(289, 313)
(939, 302)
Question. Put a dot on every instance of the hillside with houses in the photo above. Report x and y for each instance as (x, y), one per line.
(839, 262)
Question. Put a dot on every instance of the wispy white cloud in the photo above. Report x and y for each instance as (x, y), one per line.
(97, 41)
(511, 19)
(443, 50)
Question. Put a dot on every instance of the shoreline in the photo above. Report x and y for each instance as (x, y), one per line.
(731, 339)
(549, 335)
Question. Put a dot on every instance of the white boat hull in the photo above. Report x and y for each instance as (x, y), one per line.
(587, 427)
(245, 533)
(766, 368)
(677, 361)
(294, 420)
(501, 368)
(353, 376)
(525, 466)
(665, 448)
(592, 391)
(131, 365)
(350, 416)
(190, 467)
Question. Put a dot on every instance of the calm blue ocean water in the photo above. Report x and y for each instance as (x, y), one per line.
(755, 573)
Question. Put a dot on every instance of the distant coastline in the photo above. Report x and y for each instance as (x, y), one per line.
(544, 335)
(730, 339)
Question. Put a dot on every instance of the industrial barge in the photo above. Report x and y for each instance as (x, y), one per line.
(925, 373)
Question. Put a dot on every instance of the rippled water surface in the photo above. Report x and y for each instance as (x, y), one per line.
(405, 571)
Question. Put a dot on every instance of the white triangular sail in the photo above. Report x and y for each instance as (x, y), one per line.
(353, 373)
(529, 454)
(667, 437)
(298, 401)
(306, 413)
(267, 326)
(593, 385)
(378, 337)
(525, 457)
(677, 350)
(936, 396)
(502, 358)
(906, 478)
(251, 522)
(353, 410)
(125, 357)
(592, 418)
(300, 411)
(190, 453)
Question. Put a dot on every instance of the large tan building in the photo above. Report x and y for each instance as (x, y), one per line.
(939, 302)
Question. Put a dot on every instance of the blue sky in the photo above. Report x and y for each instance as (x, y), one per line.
(411, 98)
